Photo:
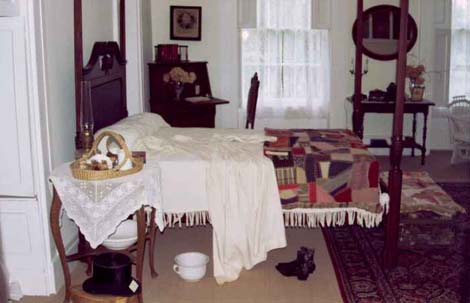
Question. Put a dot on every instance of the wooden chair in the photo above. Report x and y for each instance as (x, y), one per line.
(252, 100)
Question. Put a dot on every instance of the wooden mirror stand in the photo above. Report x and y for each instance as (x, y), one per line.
(380, 31)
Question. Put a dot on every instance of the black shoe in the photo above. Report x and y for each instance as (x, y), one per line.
(308, 255)
(290, 269)
(300, 267)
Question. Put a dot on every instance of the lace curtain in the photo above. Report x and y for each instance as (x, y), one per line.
(291, 59)
(460, 50)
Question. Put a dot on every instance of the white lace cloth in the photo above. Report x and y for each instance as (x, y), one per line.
(97, 207)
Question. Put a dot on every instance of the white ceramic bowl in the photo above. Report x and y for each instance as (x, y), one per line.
(191, 266)
(124, 236)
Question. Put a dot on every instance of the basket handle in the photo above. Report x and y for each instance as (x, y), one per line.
(120, 140)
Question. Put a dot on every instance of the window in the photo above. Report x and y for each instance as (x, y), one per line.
(291, 59)
(460, 50)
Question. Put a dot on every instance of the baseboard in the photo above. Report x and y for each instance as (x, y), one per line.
(57, 266)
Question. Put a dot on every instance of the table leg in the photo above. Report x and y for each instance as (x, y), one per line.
(425, 130)
(55, 228)
(153, 232)
(140, 249)
(414, 135)
(84, 246)
(358, 122)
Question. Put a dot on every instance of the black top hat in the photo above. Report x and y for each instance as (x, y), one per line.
(112, 275)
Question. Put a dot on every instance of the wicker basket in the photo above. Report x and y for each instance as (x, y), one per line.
(93, 175)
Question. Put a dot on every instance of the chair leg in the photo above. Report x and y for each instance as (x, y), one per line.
(452, 159)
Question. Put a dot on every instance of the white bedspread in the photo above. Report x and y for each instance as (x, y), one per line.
(239, 186)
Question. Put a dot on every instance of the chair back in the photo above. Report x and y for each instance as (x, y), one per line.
(459, 119)
(251, 104)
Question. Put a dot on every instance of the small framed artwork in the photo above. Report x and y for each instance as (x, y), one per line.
(185, 23)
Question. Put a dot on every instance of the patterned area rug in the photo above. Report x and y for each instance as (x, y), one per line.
(424, 274)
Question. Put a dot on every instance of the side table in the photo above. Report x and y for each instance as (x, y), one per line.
(139, 247)
(409, 107)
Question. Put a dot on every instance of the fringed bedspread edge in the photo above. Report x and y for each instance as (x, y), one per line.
(314, 217)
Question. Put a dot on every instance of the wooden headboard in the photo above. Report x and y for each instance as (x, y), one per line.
(106, 72)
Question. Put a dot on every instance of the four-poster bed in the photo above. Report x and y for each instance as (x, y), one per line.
(109, 53)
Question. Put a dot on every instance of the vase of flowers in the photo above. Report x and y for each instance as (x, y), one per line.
(416, 76)
(178, 77)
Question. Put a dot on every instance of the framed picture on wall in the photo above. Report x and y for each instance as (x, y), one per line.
(185, 23)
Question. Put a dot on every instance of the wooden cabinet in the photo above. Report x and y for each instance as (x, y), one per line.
(181, 113)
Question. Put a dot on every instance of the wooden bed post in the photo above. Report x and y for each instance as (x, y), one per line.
(122, 28)
(78, 58)
(358, 117)
(395, 173)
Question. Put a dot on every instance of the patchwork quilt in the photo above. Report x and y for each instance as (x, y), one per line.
(327, 168)
(421, 193)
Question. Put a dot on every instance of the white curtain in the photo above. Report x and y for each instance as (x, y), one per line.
(291, 59)
(460, 50)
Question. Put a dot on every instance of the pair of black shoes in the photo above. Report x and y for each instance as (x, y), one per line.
(301, 267)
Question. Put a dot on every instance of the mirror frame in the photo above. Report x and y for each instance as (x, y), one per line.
(412, 26)
(80, 69)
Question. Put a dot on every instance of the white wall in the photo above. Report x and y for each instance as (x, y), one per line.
(147, 49)
(60, 99)
(95, 14)
(139, 53)
(220, 47)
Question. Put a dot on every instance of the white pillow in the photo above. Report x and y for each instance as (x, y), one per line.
(134, 127)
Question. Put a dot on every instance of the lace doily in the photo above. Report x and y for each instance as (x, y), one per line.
(97, 207)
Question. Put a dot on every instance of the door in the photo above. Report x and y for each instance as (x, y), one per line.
(16, 174)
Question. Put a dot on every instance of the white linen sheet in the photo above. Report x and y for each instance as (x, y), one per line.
(224, 172)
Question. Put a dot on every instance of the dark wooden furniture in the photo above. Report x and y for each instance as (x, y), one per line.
(252, 101)
(108, 78)
(410, 107)
(181, 113)
(390, 256)
(107, 74)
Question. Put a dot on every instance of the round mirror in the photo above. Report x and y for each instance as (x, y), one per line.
(381, 31)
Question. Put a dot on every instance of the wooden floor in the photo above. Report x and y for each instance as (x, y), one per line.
(263, 283)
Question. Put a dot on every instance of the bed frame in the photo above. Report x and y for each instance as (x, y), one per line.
(109, 86)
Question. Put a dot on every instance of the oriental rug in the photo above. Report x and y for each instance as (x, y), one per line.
(434, 273)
